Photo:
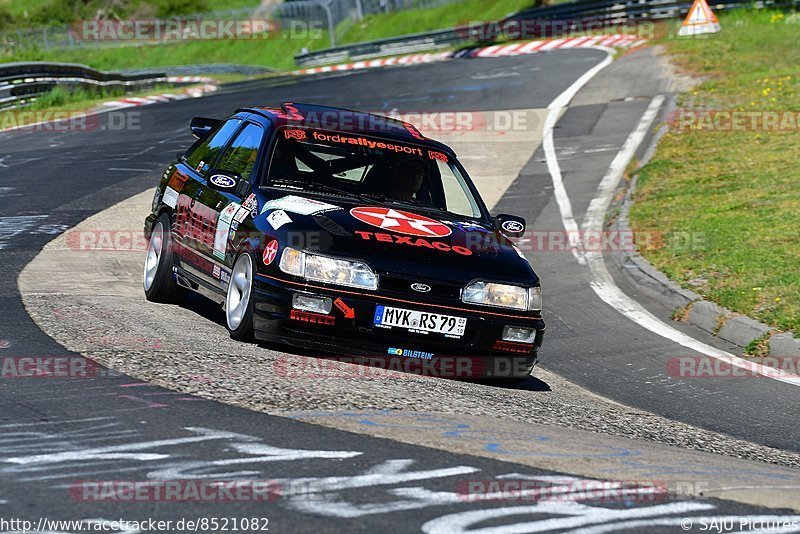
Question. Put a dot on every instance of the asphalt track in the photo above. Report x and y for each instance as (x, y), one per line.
(52, 181)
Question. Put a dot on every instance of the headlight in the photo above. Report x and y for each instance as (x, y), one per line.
(327, 270)
(503, 296)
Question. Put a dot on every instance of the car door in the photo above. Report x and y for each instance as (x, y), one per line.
(225, 206)
(195, 221)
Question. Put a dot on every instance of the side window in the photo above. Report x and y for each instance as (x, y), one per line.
(456, 192)
(204, 154)
(241, 155)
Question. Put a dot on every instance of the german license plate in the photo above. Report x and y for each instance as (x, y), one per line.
(418, 321)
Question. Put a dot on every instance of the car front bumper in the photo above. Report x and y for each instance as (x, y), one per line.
(479, 353)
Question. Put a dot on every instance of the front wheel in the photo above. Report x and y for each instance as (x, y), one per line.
(239, 300)
(159, 284)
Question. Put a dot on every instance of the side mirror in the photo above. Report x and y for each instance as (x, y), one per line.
(510, 225)
(200, 126)
(224, 181)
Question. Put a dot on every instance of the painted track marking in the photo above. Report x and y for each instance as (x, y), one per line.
(602, 283)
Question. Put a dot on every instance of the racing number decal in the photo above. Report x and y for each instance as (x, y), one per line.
(270, 252)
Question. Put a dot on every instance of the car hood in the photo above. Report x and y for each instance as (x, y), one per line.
(393, 238)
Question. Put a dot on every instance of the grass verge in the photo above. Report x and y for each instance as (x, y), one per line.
(728, 198)
(277, 52)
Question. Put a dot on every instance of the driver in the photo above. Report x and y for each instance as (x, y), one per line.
(406, 179)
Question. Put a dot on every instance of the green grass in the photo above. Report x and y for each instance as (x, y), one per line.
(736, 193)
(37, 13)
(420, 20)
(278, 52)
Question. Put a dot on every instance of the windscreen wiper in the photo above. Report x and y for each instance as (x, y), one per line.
(311, 186)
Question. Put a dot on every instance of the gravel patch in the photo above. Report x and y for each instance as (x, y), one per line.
(176, 348)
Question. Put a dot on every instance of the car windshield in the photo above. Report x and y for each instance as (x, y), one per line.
(386, 171)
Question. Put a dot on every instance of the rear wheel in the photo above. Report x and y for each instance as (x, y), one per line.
(159, 283)
(239, 300)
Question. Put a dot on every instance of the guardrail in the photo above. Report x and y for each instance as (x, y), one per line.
(22, 83)
(609, 11)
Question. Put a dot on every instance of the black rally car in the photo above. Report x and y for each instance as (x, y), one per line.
(347, 232)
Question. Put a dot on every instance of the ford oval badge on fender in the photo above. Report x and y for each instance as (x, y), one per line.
(222, 181)
(421, 288)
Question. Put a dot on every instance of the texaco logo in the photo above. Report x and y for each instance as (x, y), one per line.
(270, 251)
(402, 222)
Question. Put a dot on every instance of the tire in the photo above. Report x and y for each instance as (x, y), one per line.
(159, 283)
(239, 299)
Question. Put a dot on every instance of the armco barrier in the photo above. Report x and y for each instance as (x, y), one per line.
(22, 83)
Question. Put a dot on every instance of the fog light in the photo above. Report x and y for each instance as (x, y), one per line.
(519, 334)
(312, 303)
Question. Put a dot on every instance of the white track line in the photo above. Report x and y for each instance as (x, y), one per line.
(602, 282)
(555, 109)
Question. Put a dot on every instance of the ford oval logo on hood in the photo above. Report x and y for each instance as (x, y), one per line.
(421, 288)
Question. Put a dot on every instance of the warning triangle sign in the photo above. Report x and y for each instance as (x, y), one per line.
(700, 20)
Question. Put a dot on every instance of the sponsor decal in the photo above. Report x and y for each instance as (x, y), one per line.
(221, 274)
(300, 135)
(222, 233)
(170, 197)
(349, 313)
(509, 346)
(411, 353)
(421, 288)
(299, 205)
(220, 180)
(270, 252)
(402, 222)
(250, 203)
(367, 143)
(469, 227)
(278, 218)
(241, 215)
(513, 226)
(413, 130)
(419, 242)
(312, 318)
(190, 256)
(432, 154)
(177, 181)
(200, 165)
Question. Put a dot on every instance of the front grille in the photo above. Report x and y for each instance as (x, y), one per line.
(402, 285)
